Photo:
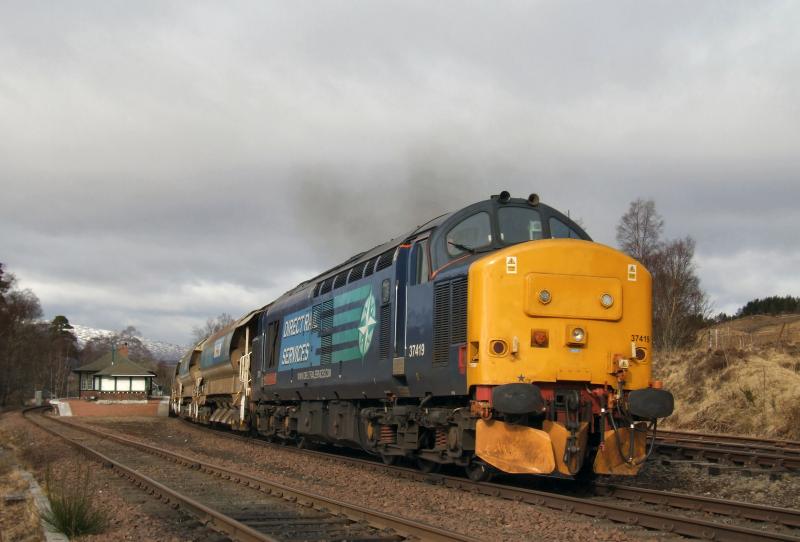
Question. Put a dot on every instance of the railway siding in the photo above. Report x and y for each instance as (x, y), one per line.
(731, 451)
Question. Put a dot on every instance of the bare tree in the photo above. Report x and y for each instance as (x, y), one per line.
(680, 306)
(213, 325)
(639, 230)
(164, 375)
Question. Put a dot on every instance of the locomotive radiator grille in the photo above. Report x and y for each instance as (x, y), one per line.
(385, 330)
(449, 317)
(322, 320)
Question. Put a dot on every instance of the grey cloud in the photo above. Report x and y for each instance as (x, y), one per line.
(203, 157)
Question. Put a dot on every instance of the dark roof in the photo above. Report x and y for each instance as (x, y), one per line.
(121, 366)
(98, 364)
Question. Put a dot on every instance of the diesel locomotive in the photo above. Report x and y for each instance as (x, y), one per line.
(496, 338)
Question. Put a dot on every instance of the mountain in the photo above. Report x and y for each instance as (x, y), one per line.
(161, 350)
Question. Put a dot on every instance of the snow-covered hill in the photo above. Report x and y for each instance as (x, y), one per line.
(162, 351)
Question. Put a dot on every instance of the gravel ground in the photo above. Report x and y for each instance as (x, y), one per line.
(741, 486)
(132, 514)
(137, 517)
(483, 517)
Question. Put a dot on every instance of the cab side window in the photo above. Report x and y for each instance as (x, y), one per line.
(420, 264)
(559, 230)
(471, 233)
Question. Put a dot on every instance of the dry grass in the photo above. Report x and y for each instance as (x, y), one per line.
(753, 391)
(19, 520)
(75, 508)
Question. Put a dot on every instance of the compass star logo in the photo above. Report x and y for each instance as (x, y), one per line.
(367, 325)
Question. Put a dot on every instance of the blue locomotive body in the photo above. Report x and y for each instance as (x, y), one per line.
(360, 332)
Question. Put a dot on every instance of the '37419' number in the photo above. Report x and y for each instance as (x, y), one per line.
(415, 350)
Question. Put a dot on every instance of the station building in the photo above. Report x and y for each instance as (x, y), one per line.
(114, 377)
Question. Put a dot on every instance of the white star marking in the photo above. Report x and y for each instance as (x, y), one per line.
(364, 329)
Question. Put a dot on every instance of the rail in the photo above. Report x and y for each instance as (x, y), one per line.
(737, 452)
(630, 504)
(238, 530)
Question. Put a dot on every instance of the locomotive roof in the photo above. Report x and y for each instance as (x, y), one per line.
(362, 257)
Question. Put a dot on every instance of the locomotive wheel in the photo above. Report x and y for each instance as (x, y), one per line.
(427, 466)
(478, 472)
(388, 459)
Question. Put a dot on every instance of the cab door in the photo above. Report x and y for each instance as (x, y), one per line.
(418, 337)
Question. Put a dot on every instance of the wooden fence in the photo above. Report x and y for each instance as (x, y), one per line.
(781, 329)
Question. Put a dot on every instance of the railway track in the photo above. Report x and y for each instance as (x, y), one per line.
(687, 515)
(242, 506)
(730, 452)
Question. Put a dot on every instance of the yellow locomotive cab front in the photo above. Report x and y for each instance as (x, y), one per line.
(559, 334)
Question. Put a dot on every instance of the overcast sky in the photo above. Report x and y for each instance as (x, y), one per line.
(164, 162)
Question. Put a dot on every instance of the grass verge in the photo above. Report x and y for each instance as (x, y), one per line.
(74, 506)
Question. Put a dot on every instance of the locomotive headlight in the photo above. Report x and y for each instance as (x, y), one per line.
(606, 300)
(576, 336)
(545, 297)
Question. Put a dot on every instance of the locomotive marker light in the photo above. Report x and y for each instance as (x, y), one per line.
(606, 300)
(539, 338)
(533, 200)
(504, 196)
(545, 297)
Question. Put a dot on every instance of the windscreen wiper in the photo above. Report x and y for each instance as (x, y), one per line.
(459, 246)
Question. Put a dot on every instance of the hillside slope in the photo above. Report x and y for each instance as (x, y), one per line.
(162, 351)
(753, 390)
